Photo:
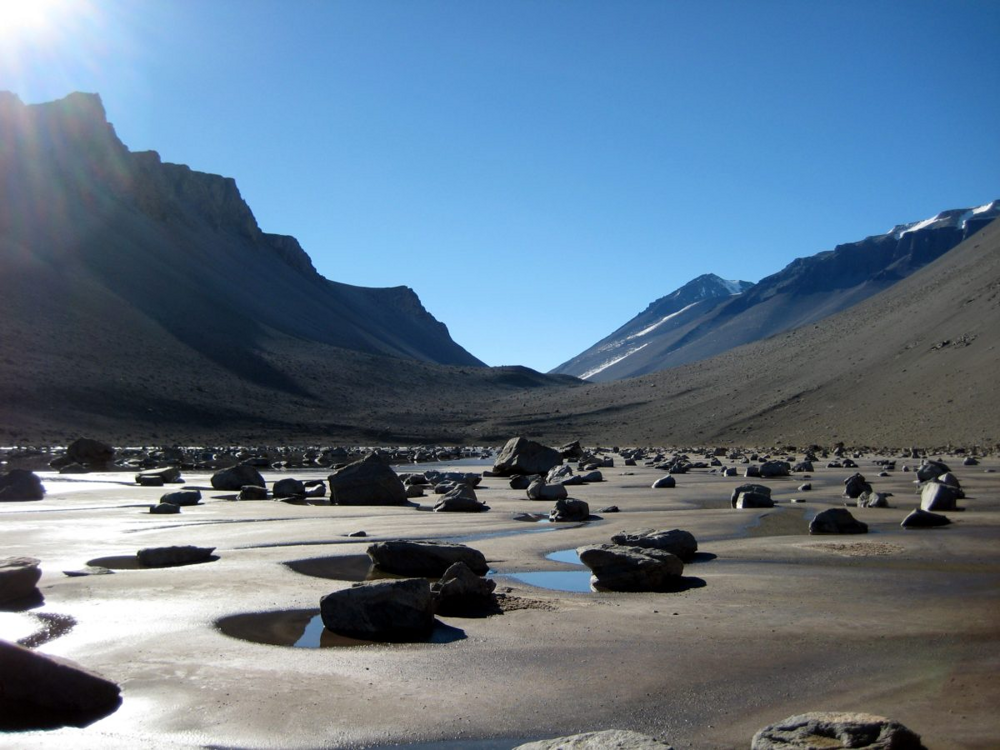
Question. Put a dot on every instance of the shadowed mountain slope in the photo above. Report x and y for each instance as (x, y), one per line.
(806, 290)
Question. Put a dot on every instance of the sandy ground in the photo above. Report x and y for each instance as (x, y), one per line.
(900, 623)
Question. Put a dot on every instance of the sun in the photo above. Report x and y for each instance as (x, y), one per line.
(31, 17)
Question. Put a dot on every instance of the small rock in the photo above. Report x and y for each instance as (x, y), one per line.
(149, 481)
(923, 519)
(667, 482)
(252, 492)
(758, 489)
(182, 497)
(609, 509)
(569, 510)
(288, 487)
(753, 500)
(164, 509)
(837, 521)
(462, 499)
(459, 587)
(424, 558)
(805, 487)
(358, 534)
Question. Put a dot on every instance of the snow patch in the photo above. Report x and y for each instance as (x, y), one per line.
(613, 361)
(660, 322)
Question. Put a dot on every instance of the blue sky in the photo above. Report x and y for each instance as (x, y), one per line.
(540, 171)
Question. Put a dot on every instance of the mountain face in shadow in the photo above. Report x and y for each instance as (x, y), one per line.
(99, 232)
(807, 290)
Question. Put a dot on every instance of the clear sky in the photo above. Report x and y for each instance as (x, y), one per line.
(539, 171)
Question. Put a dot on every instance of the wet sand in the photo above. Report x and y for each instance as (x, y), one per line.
(899, 623)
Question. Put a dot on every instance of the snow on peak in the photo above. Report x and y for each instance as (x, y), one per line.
(954, 218)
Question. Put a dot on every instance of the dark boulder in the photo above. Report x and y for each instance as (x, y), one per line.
(836, 730)
(236, 477)
(460, 588)
(90, 452)
(924, 519)
(424, 558)
(758, 489)
(872, 499)
(20, 484)
(774, 469)
(366, 482)
(18, 578)
(462, 499)
(748, 500)
(675, 541)
(169, 475)
(837, 521)
(168, 557)
(381, 610)
(929, 470)
(252, 492)
(164, 509)
(569, 510)
(664, 483)
(288, 487)
(617, 568)
(523, 456)
(855, 486)
(938, 496)
(539, 490)
(183, 497)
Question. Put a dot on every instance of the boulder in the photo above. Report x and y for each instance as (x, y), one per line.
(571, 450)
(937, 496)
(462, 499)
(164, 509)
(758, 489)
(168, 557)
(424, 558)
(169, 475)
(805, 467)
(523, 456)
(855, 485)
(381, 610)
(774, 469)
(837, 521)
(539, 490)
(924, 519)
(237, 477)
(664, 483)
(609, 739)
(183, 497)
(51, 689)
(970, 461)
(20, 484)
(569, 510)
(951, 480)
(675, 541)
(609, 509)
(414, 491)
(929, 470)
(753, 470)
(252, 492)
(149, 481)
(459, 587)
(617, 568)
(18, 578)
(559, 473)
(836, 730)
(89, 451)
(592, 476)
(288, 487)
(366, 482)
(521, 481)
(753, 500)
(872, 499)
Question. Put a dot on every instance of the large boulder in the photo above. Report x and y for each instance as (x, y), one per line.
(774, 469)
(675, 541)
(50, 690)
(617, 568)
(424, 558)
(569, 510)
(523, 456)
(459, 588)
(855, 486)
(168, 557)
(758, 489)
(18, 578)
(381, 610)
(20, 484)
(924, 519)
(90, 452)
(236, 478)
(929, 470)
(753, 500)
(609, 739)
(938, 496)
(288, 487)
(366, 482)
(539, 490)
(462, 499)
(836, 730)
(837, 521)
(572, 450)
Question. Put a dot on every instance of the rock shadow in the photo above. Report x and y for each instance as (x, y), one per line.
(16, 716)
(32, 601)
(131, 562)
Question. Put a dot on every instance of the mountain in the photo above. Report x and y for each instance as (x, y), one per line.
(805, 291)
(914, 364)
(687, 303)
(162, 245)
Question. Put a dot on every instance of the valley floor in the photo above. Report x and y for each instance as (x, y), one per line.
(775, 622)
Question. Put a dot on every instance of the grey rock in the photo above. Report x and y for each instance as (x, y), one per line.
(803, 466)
(459, 587)
(609, 739)
(54, 687)
(775, 469)
(924, 519)
(150, 481)
(667, 482)
(559, 473)
(164, 509)
(20, 484)
(837, 521)
(571, 450)
(539, 490)
(366, 482)
(521, 481)
(570, 510)
(89, 451)
(462, 499)
(169, 475)
(937, 496)
(970, 461)
(358, 534)
(818, 729)
(523, 456)
(167, 557)
(675, 541)
(414, 490)
(872, 499)
(855, 485)
(237, 477)
(381, 610)
(753, 470)
(592, 476)
(288, 487)
(758, 489)
(929, 470)
(609, 509)
(18, 578)
(424, 558)
(753, 500)
(182, 497)
(618, 568)
(252, 492)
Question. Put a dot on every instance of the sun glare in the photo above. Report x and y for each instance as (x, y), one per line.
(21, 17)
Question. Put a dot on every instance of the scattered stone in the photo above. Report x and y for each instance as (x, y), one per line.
(803, 466)
(20, 484)
(18, 578)
(775, 469)
(609, 509)
(89, 451)
(970, 461)
(675, 541)
(252, 492)
(459, 588)
(753, 470)
(929, 470)
(424, 558)
(521, 481)
(571, 450)
(592, 476)
(609, 739)
(923, 519)
(872, 499)
(618, 568)
(182, 497)
(539, 490)
(167, 557)
(358, 534)
(837, 521)
(753, 500)
(667, 482)
(381, 610)
(805, 487)
(855, 485)
(797, 500)
(414, 491)
(288, 487)
(53, 689)
(169, 475)
(522, 456)
(366, 482)
(758, 489)
(937, 496)
(569, 510)
(836, 730)
(462, 499)
(164, 509)
(149, 481)
(236, 478)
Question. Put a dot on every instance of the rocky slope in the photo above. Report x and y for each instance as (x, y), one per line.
(806, 290)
